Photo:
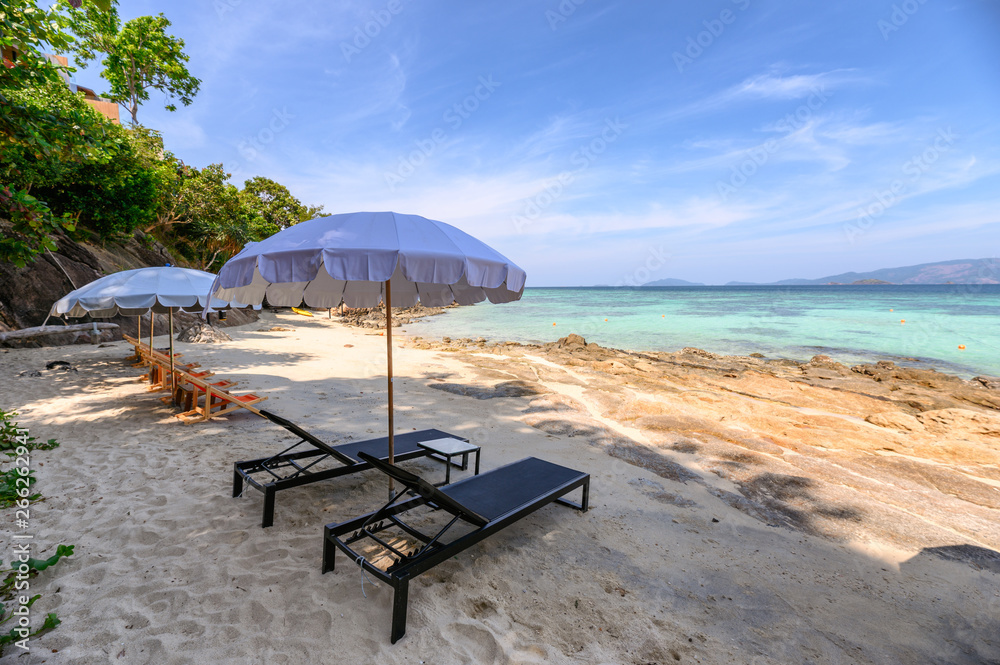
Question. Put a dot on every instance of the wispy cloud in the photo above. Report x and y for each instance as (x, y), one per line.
(780, 106)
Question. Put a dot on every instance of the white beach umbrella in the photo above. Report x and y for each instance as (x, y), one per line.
(362, 259)
(159, 289)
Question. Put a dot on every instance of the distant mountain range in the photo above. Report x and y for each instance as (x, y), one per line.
(959, 271)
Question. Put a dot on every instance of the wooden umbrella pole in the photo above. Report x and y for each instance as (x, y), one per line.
(173, 379)
(152, 363)
(388, 352)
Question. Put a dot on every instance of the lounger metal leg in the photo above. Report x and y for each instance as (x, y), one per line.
(329, 552)
(268, 507)
(584, 504)
(399, 601)
(237, 482)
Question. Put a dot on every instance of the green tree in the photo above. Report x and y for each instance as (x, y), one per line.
(169, 174)
(111, 190)
(217, 214)
(139, 56)
(272, 207)
(30, 126)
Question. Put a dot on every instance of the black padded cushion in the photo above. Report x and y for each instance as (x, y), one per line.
(490, 495)
(423, 488)
(500, 491)
(403, 444)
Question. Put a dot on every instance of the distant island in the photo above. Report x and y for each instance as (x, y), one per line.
(865, 281)
(673, 282)
(958, 271)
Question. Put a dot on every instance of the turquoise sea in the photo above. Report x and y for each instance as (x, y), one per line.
(851, 324)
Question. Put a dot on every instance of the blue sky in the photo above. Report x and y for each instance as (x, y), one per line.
(608, 143)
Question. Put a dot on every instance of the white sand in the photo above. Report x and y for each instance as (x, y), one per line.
(169, 568)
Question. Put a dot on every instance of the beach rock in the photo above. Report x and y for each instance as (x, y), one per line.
(819, 359)
(877, 373)
(978, 396)
(991, 382)
(690, 350)
(29, 373)
(960, 423)
(59, 364)
(202, 332)
(826, 371)
(896, 420)
(572, 341)
(375, 317)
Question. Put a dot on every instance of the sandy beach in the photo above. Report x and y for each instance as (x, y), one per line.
(742, 510)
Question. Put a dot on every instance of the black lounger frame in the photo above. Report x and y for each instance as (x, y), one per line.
(434, 550)
(289, 469)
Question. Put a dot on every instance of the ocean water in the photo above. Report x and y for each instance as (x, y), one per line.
(851, 324)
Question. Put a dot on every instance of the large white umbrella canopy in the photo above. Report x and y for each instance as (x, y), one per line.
(157, 289)
(160, 289)
(364, 258)
(348, 258)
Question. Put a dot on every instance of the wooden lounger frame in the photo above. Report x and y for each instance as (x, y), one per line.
(218, 402)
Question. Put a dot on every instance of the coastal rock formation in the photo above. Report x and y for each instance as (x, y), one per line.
(375, 317)
(202, 332)
(876, 451)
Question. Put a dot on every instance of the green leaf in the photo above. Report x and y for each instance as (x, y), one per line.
(42, 564)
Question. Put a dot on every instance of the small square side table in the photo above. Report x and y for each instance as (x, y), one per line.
(448, 448)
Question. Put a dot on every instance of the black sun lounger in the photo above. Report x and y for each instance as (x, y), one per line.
(290, 469)
(488, 502)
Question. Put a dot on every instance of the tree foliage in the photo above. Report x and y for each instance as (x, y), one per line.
(66, 167)
(272, 207)
(110, 189)
(139, 56)
(224, 218)
(58, 133)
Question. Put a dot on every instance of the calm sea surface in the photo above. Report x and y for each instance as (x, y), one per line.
(849, 323)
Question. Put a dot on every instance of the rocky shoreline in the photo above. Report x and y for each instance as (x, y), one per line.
(374, 318)
(874, 452)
